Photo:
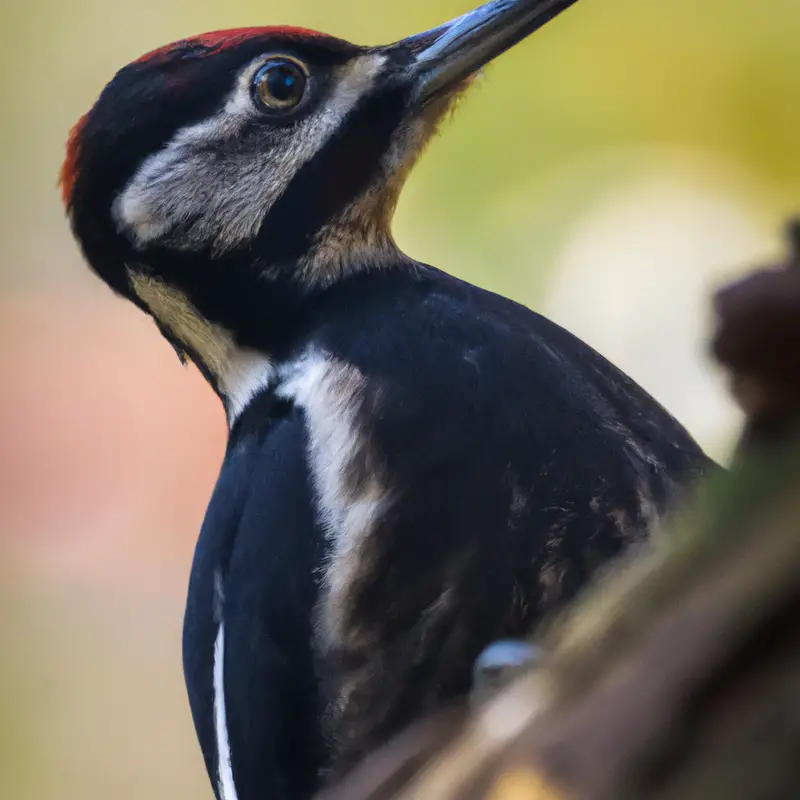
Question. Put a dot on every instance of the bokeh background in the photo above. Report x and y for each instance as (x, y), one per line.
(610, 172)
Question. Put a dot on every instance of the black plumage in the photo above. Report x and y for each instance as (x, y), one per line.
(520, 461)
(416, 467)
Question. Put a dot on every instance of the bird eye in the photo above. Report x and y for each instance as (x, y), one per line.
(280, 84)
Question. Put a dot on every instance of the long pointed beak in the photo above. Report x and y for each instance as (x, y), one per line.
(446, 55)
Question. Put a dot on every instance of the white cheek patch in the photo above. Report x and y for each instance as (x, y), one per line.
(212, 186)
(351, 500)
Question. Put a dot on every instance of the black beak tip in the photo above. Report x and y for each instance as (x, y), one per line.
(445, 56)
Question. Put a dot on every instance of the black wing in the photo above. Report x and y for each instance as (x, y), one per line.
(519, 460)
(255, 573)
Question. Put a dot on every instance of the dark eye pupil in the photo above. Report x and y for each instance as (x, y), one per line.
(282, 83)
(279, 85)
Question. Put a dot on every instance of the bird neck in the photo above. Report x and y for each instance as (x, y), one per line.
(236, 324)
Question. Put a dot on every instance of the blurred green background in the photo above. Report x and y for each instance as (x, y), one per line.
(610, 172)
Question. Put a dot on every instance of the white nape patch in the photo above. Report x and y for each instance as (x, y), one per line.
(213, 183)
(239, 372)
(350, 493)
(225, 782)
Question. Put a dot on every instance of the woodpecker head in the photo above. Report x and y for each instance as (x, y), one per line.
(223, 165)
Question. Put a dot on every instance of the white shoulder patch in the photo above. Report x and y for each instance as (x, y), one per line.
(351, 493)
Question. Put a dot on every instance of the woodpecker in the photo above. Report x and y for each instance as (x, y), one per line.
(416, 467)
